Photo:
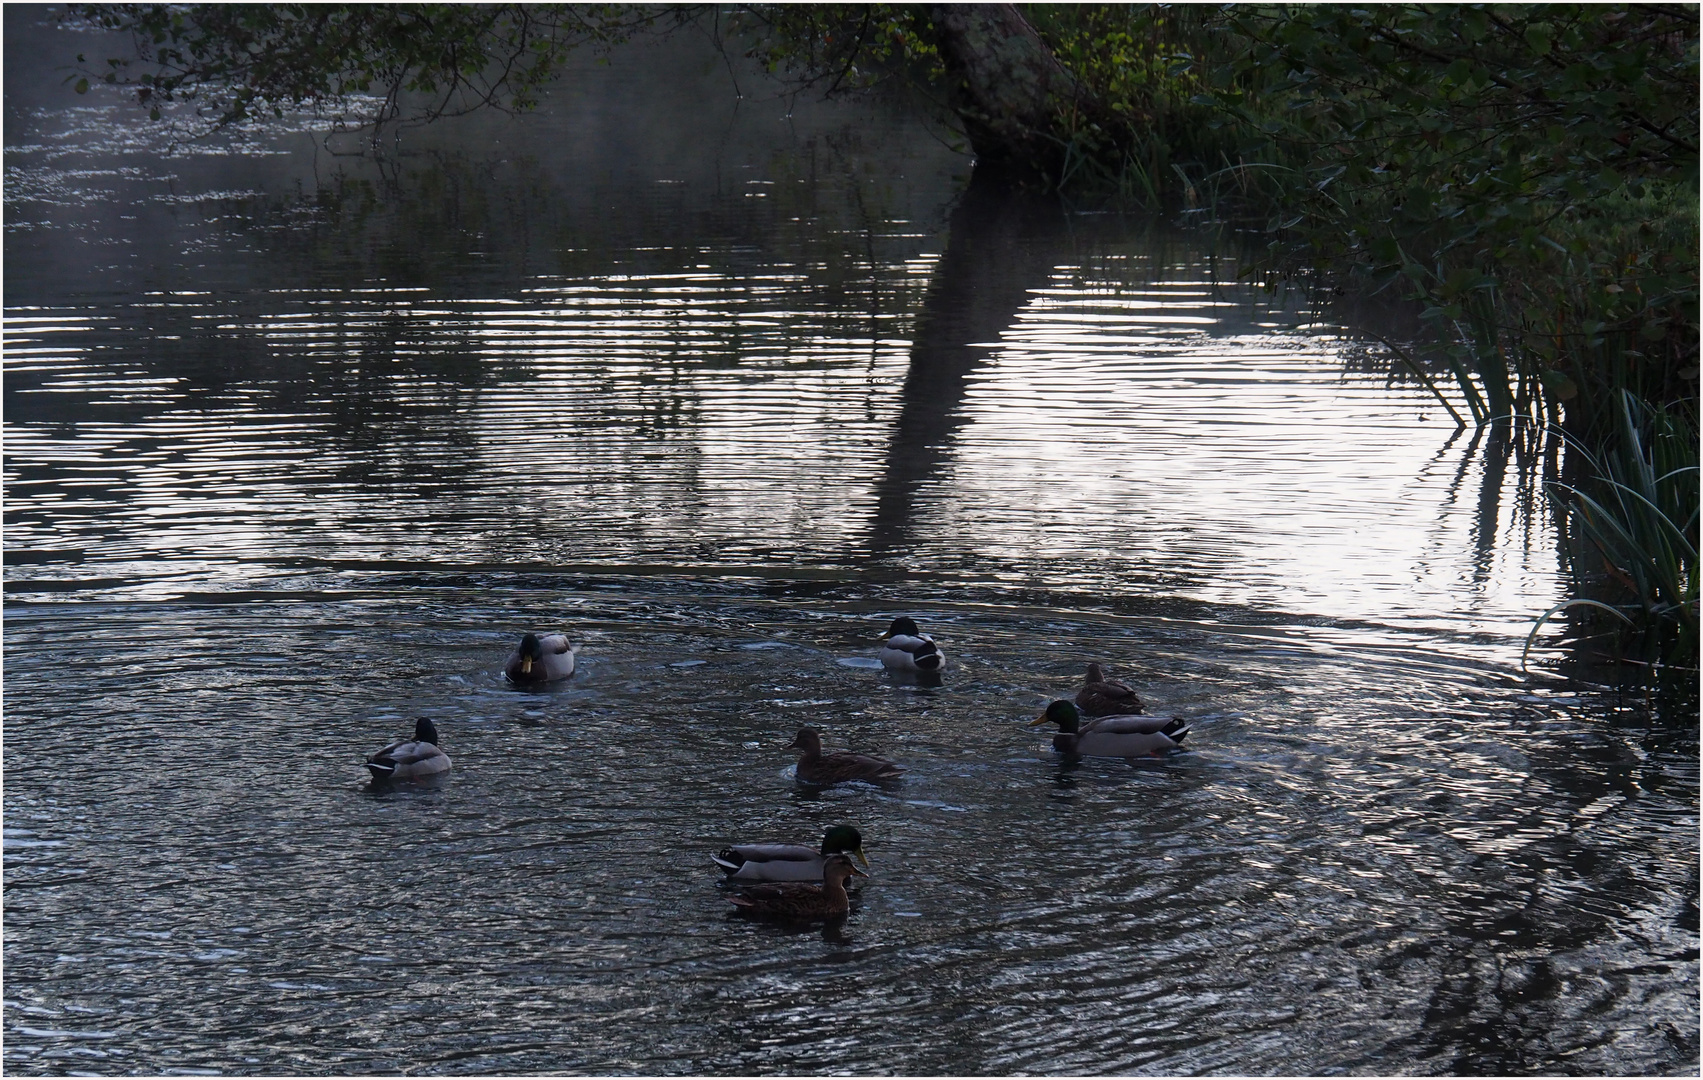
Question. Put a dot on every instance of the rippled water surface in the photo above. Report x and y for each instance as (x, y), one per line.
(297, 443)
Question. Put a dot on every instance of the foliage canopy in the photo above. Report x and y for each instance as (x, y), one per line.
(355, 61)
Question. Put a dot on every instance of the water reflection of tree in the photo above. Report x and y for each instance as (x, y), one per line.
(1000, 245)
(387, 267)
(1003, 245)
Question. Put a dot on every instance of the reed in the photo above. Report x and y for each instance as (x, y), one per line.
(1632, 528)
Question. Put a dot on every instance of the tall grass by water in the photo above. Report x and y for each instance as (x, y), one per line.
(1633, 526)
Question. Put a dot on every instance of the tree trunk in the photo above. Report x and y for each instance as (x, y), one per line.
(1010, 91)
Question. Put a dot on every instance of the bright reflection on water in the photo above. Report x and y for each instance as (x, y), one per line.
(288, 471)
(1150, 437)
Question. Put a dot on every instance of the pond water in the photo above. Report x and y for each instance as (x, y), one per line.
(299, 440)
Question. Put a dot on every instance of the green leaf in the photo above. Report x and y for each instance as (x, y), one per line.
(1559, 384)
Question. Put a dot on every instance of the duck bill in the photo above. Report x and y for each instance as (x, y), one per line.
(858, 873)
(862, 858)
(526, 665)
(1039, 720)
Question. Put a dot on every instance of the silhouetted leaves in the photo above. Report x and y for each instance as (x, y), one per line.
(358, 63)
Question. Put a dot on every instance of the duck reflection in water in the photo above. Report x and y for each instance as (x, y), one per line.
(1064, 781)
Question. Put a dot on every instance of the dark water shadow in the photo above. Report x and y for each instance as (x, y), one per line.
(541, 689)
(376, 788)
(807, 792)
(929, 680)
(831, 929)
(1065, 781)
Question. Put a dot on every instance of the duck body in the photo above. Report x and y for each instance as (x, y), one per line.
(1101, 696)
(410, 759)
(1112, 736)
(541, 659)
(798, 901)
(789, 862)
(815, 767)
(906, 648)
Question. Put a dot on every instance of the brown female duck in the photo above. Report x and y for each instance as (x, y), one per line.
(815, 767)
(1101, 696)
(798, 900)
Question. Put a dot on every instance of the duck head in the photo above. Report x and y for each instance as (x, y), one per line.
(1062, 713)
(806, 740)
(531, 650)
(838, 868)
(425, 731)
(903, 626)
(844, 840)
(1095, 674)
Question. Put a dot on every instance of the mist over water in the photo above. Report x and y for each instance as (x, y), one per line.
(300, 438)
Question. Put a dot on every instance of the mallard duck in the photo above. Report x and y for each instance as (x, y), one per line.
(1111, 736)
(789, 862)
(1101, 696)
(909, 649)
(541, 659)
(797, 900)
(815, 767)
(410, 759)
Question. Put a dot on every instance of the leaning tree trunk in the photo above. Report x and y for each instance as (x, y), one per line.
(1011, 92)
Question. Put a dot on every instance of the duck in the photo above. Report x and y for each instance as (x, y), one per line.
(798, 900)
(541, 659)
(1101, 696)
(1111, 736)
(815, 767)
(410, 759)
(789, 862)
(909, 649)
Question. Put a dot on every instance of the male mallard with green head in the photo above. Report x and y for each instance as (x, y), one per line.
(410, 759)
(789, 862)
(906, 648)
(1111, 736)
(541, 659)
(796, 900)
(815, 767)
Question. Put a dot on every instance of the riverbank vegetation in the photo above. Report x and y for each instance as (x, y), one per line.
(1528, 177)
(1525, 175)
